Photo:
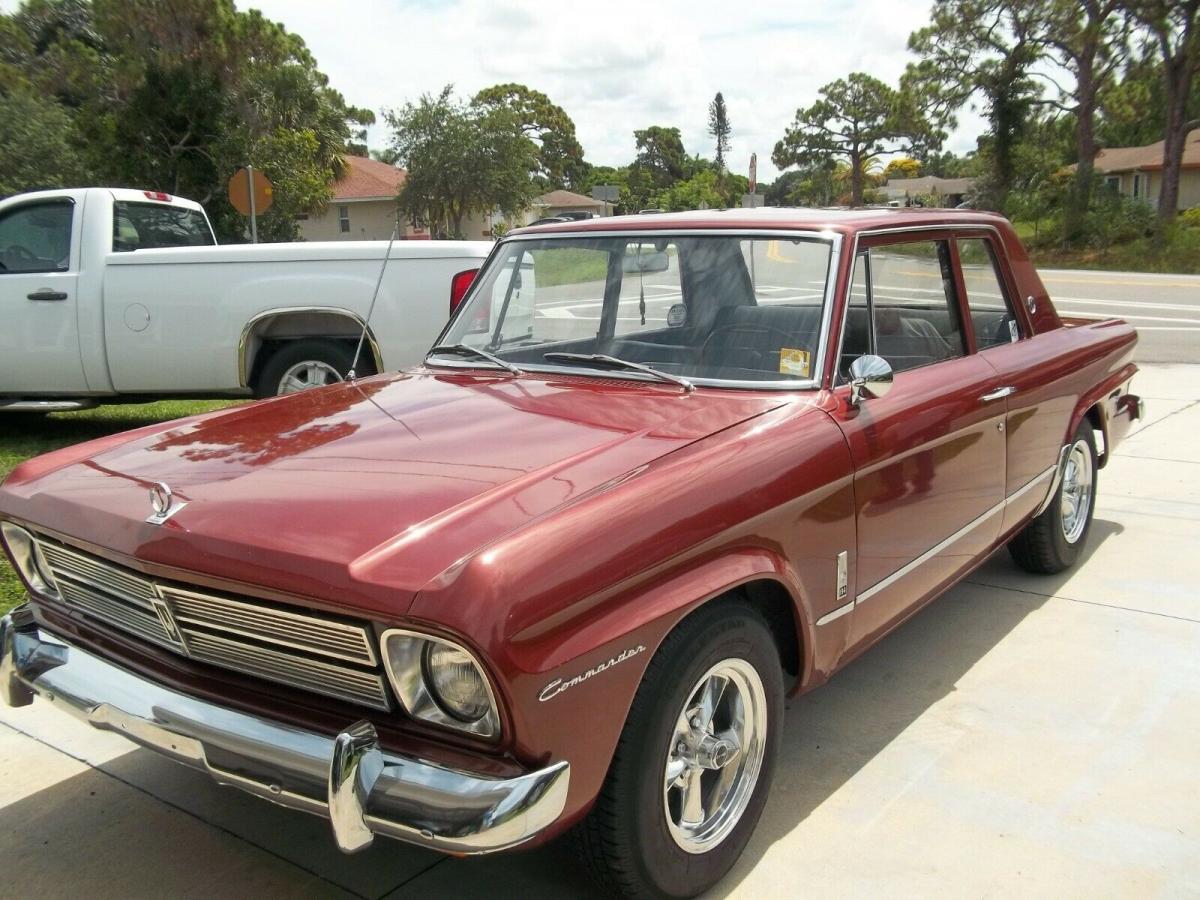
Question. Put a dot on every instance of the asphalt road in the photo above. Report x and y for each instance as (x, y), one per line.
(1165, 309)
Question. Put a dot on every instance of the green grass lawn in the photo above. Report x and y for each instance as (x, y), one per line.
(23, 436)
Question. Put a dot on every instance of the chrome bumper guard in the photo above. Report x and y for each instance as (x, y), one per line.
(349, 779)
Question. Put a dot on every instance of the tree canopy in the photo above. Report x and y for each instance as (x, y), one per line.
(559, 154)
(176, 95)
(856, 118)
(462, 159)
(719, 128)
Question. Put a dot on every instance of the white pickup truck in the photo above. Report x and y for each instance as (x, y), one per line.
(121, 294)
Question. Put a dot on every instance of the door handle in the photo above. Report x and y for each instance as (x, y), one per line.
(47, 294)
(998, 394)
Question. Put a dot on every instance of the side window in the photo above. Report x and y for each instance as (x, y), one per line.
(915, 311)
(344, 219)
(36, 237)
(992, 318)
(651, 295)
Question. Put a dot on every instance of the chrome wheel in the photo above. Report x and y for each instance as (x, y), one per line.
(1077, 491)
(715, 755)
(308, 374)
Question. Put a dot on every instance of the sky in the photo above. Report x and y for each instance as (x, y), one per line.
(614, 65)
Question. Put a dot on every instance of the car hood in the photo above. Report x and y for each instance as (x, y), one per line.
(359, 494)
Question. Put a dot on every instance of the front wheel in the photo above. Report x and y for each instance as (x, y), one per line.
(691, 772)
(1053, 541)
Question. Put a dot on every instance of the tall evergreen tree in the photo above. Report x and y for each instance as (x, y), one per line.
(719, 128)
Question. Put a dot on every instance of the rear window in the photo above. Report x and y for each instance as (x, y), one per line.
(146, 226)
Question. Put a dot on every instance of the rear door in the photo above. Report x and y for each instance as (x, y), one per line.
(1035, 407)
(928, 456)
(39, 274)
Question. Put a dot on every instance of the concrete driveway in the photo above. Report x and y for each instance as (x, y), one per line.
(1023, 735)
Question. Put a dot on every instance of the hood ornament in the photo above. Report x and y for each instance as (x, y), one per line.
(163, 502)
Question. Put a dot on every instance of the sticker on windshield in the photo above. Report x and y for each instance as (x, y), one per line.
(676, 315)
(794, 362)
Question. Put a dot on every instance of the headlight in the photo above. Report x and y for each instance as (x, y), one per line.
(440, 682)
(31, 565)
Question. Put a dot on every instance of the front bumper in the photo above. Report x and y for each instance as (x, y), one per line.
(362, 790)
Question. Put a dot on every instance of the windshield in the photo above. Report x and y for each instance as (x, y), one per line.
(146, 226)
(724, 308)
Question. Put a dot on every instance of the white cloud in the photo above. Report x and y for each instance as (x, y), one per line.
(614, 66)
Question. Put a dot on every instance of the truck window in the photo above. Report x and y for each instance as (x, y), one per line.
(36, 237)
(146, 226)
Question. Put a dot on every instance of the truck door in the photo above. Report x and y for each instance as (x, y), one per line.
(39, 271)
(928, 456)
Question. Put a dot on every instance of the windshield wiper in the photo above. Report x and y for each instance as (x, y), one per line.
(464, 350)
(615, 363)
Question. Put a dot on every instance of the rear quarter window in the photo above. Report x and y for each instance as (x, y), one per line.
(148, 226)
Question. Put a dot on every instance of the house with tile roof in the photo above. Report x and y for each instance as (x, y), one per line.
(363, 207)
(1136, 172)
(948, 192)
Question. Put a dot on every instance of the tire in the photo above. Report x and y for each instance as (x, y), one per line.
(631, 839)
(317, 361)
(1053, 541)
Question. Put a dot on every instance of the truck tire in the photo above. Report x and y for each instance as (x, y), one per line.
(693, 766)
(308, 363)
(1053, 541)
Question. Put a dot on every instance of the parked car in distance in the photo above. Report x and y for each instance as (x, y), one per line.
(658, 473)
(110, 294)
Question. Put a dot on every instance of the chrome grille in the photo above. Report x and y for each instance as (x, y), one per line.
(299, 649)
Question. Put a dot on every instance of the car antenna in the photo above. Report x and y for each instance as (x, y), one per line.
(352, 375)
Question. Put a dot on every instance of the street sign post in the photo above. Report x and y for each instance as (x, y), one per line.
(609, 193)
(251, 193)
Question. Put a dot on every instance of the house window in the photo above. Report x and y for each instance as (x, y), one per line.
(1113, 183)
(344, 219)
(1137, 185)
(301, 217)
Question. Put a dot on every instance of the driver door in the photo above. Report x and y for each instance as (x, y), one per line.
(39, 332)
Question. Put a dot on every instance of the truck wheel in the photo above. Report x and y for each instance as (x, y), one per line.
(1052, 542)
(692, 769)
(312, 362)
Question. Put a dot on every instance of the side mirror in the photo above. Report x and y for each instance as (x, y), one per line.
(870, 376)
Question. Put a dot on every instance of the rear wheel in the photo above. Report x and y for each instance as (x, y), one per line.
(312, 362)
(1053, 541)
(692, 769)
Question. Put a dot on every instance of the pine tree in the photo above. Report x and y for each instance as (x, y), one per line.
(719, 128)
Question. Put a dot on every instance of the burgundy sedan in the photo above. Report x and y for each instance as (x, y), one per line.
(658, 473)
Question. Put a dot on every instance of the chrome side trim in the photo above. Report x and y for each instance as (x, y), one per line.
(1061, 467)
(870, 592)
(962, 532)
(359, 323)
(836, 613)
(348, 778)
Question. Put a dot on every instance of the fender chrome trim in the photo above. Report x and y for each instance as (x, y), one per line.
(348, 778)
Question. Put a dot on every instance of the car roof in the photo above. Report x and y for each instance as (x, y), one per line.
(841, 220)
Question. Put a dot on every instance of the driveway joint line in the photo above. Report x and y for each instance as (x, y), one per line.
(1145, 612)
(1190, 405)
(187, 812)
(411, 878)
